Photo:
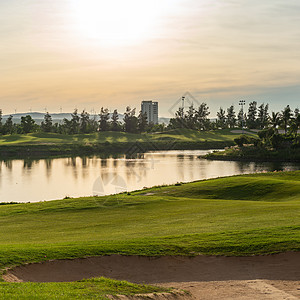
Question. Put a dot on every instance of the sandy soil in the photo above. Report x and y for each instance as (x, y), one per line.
(206, 277)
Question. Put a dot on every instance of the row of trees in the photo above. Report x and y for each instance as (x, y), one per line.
(82, 123)
(257, 117)
(9, 127)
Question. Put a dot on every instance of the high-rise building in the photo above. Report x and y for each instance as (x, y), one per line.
(150, 108)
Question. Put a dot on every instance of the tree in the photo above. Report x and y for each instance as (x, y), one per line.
(115, 124)
(286, 116)
(201, 116)
(8, 127)
(179, 121)
(296, 112)
(84, 122)
(241, 119)
(190, 119)
(252, 113)
(295, 124)
(221, 118)
(130, 120)
(262, 118)
(142, 121)
(104, 117)
(231, 118)
(47, 125)
(73, 125)
(0, 120)
(27, 124)
(275, 120)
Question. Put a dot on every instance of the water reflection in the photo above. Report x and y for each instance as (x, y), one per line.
(48, 179)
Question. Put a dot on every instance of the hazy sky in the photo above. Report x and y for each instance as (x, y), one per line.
(113, 53)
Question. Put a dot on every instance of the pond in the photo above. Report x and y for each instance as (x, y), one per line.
(48, 179)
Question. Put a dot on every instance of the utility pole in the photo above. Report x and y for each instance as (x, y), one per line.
(242, 103)
(182, 99)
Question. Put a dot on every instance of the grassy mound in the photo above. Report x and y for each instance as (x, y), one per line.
(260, 187)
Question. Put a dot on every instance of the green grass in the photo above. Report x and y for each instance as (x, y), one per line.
(240, 215)
(96, 288)
(180, 135)
(44, 145)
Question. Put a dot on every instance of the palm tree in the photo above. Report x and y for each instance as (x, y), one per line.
(286, 117)
(275, 120)
(295, 124)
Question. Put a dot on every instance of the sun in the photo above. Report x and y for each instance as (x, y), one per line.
(113, 22)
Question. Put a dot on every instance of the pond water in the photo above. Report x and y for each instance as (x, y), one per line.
(49, 179)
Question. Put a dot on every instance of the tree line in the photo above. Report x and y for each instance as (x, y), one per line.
(82, 123)
(256, 117)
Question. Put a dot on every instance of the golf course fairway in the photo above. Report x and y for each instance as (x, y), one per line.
(256, 214)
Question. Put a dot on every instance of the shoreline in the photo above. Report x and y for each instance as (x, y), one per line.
(130, 148)
(256, 155)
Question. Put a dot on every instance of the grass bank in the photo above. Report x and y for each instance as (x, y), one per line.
(50, 144)
(96, 288)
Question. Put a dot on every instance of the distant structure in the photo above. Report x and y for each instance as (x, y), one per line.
(150, 108)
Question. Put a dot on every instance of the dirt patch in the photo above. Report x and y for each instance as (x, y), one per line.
(174, 295)
(206, 277)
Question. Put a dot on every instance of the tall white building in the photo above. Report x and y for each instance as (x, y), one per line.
(150, 108)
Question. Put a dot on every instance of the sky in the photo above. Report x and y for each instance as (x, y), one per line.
(65, 54)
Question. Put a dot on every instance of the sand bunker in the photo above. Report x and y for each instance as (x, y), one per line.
(206, 277)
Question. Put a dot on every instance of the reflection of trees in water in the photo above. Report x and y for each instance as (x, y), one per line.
(242, 167)
(103, 163)
(71, 161)
(246, 167)
(115, 163)
(84, 161)
(180, 168)
(129, 163)
(28, 163)
(8, 164)
(133, 174)
(106, 176)
(48, 164)
(276, 166)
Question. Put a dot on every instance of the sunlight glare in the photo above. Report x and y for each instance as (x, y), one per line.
(117, 21)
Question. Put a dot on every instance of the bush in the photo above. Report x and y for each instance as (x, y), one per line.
(246, 140)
